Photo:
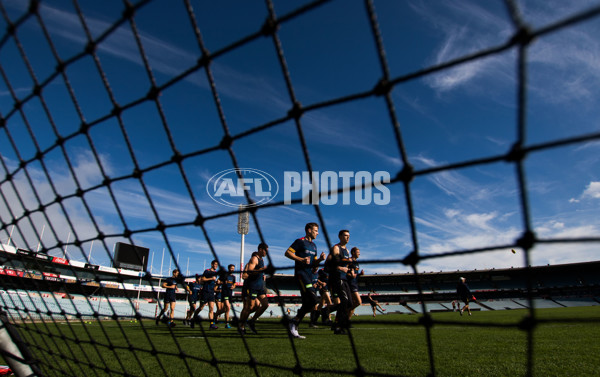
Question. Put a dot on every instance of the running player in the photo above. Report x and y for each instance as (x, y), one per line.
(255, 297)
(304, 253)
(353, 275)
(337, 263)
(194, 294)
(218, 302)
(169, 302)
(227, 287)
(247, 305)
(325, 303)
(317, 285)
(208, 279)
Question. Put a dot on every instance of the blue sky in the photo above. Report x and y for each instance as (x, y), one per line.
(457, 115)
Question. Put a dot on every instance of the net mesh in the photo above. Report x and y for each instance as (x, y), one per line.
(51, 338)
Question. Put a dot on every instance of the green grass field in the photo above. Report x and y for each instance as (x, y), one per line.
(490, 343)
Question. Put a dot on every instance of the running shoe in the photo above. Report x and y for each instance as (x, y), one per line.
(252, 327)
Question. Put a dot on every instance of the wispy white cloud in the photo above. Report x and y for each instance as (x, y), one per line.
(592, 191)
(467, 27)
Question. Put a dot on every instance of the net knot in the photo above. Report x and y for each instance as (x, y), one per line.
(516, 153)
(177, 157)
(153, 93)
(84, 128)
(116, 111)
(226, 142)
(33, 6)
(296, 111)
(128, 12)
(411, 259)
(37, 90)
(527, 240)
(523, 36)
(269, 27)
(90, 48)
(204, 61)
(406, 174)
(382, 88)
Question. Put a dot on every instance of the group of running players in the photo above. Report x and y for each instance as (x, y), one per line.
(336, 281)
(213, 287)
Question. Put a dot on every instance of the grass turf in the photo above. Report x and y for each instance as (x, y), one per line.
(489, 343)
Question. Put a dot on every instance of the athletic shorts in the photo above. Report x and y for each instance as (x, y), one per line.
(254, 293)
(353, 285)
(169, 297)
(207, 297)
(341, 289)
(226, 296)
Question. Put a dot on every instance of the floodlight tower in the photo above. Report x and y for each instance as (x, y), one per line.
(243, 225)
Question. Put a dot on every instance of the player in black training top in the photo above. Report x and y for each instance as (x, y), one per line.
(304, 253)
(169, 301)
(209, 279)
(337, 264)
(464, 294)
(353, 274)
(194, 288)
(325, 303)
(227, 287)
(255, 293)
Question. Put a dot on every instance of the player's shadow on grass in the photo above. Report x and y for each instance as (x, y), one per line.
(265, 330)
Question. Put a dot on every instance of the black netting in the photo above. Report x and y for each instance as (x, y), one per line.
(44, 310)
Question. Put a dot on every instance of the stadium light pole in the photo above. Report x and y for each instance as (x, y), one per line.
(66, 244)
(40, 240)
(243, 226)
(90, 253)
(10, 235)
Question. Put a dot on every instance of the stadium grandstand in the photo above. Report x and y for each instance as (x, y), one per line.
(36, 285)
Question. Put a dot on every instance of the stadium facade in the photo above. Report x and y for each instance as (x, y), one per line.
(29, 271)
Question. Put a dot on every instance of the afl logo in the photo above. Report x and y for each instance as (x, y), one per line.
(229, 187)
